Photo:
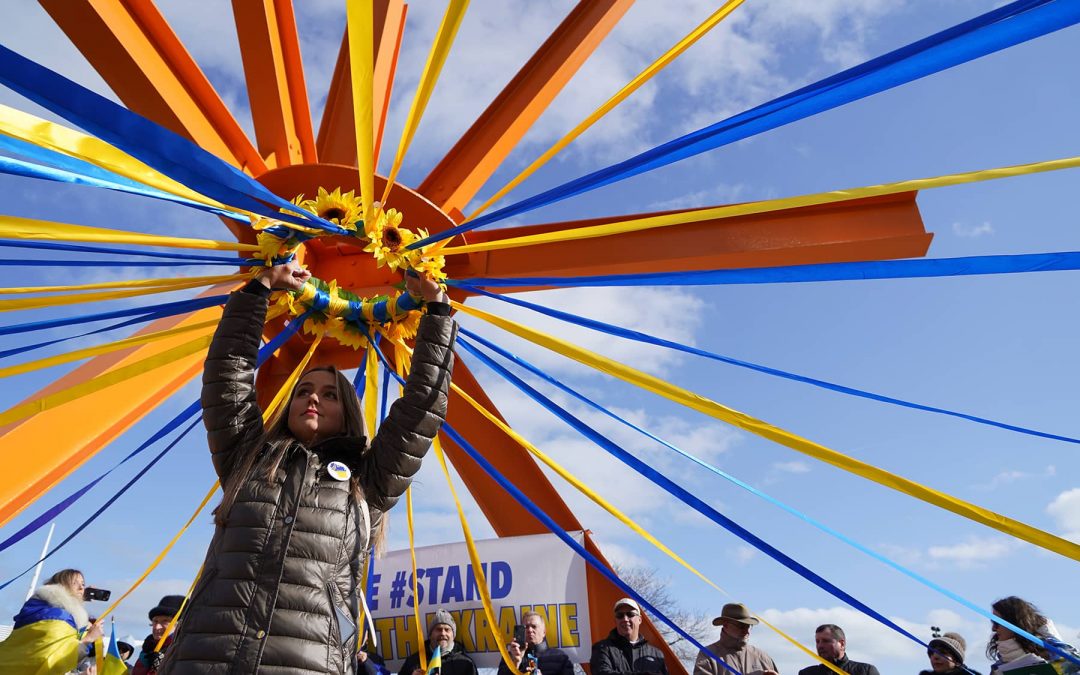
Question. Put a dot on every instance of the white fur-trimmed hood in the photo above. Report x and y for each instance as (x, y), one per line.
(58, 596)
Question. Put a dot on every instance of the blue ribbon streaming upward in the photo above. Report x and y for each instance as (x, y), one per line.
(154, 145)
(548, 522)
(749, 488)
(1063, 261)
(824, 384)
(682, 494)
(998, 29)
(51, 513)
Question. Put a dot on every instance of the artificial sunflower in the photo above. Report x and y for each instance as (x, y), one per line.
(347, 333)
(404, 328)
(341, 209)
(389, 242)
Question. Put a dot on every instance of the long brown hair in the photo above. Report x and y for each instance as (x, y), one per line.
(1020, 613)
(265, 455)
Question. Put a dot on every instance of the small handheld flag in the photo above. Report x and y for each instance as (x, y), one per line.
(435, 662)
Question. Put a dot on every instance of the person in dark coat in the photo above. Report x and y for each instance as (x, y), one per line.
(304, 496)
(150, 658)
(441, 633)
(832, 646)
(535, 655)
(624, 650)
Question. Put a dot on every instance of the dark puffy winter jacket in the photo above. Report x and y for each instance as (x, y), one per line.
(616, 655)
(278, 590)
(454, 662)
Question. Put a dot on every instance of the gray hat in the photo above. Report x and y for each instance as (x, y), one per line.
(442, 616)
(735, 611)
(951, 643)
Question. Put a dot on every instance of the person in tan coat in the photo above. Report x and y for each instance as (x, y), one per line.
(304, 498)
(734, 646)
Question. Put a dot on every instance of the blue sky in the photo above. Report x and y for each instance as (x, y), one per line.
(1001, 347)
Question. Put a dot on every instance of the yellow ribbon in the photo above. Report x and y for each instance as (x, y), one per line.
(165, 551)
(27, 228)
(126, 283)
(176, 617)
(612, 509)
(440, 49)
(97, 350)
(359, 16)
(45, 134)
(730, 211)
(420, 650)
(24, 410)
(760, 428)
(620, 96)
(402, 353)
(60, 300)
(371, 390)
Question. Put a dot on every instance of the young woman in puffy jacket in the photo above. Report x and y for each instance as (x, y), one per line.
(304, 499)
(48, 637)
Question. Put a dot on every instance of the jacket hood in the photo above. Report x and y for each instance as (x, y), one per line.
(58, 596)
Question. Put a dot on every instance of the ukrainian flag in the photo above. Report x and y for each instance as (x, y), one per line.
(434, 664)
(113, 664)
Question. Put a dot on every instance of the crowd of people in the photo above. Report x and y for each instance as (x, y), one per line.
(305, 497)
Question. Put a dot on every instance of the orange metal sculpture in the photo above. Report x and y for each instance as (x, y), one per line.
(137, 53)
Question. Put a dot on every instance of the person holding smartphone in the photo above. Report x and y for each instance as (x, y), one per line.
(52, 631)
(531, 652)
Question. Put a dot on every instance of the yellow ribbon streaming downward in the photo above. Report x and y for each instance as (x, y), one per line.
(371, 390)
(758, 427)
(620, 96)
(45, 134)
(730, 211)
(420, 649)
(619, 515)
(180, 610)
(440, 48)
(28, 228)
(359, 16)
(402, 353)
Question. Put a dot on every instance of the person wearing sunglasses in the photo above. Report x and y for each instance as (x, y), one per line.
(625, 650)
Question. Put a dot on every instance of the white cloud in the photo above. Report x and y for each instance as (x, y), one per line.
(972, 231)
(1065, 509)
(1012, 476)
(743, 554)
(792, 467)
(973, 552)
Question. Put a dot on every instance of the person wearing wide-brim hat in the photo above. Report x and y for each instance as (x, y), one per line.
(734, 647)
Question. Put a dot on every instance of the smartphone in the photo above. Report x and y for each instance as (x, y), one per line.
(96, 594)
(519, 635)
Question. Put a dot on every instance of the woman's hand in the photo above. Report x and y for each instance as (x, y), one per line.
(422, 285)
(288, 277)
(93, 632)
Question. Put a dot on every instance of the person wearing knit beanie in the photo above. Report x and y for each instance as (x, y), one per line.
(947, 653)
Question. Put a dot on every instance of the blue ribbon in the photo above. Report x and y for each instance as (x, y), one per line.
(40, 262)
(154, 145)
(181, 307)
(54, 511)
(17, 167)
(746, 486)
(824, 384)
(150, 316)
(998, 29)
(1064, 261)
(544, 518)
(82, 248)
(682, 494)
